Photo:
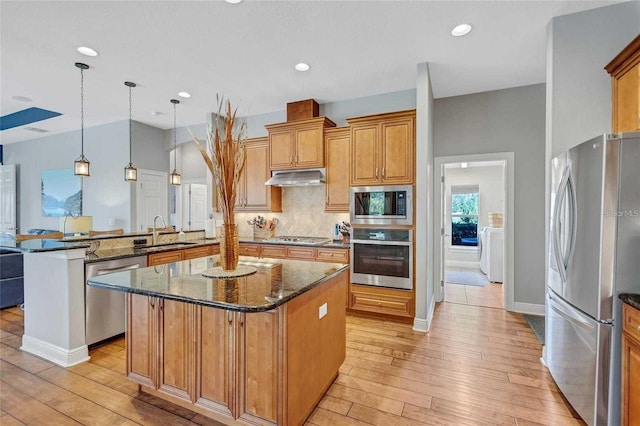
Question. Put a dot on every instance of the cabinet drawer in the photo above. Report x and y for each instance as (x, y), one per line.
(193, 253)
(382, 301)
(214, 249)
(307, 253)
(332, 255)
(274, 251)
(631, 322)
(166, 257)
(249, 250)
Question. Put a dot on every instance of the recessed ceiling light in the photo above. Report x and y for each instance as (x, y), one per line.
(21, 99)
(87, 51)
(156, 113)
(233, 1)
(184, 94)
(460, 30)
(464, 165)
(302, 67)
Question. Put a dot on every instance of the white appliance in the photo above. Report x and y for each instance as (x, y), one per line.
(594, 248)
(492, 253)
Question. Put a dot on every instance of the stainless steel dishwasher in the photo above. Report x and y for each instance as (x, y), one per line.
(105, 312)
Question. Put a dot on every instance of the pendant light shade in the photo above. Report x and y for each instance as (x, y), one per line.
(81, 165)
(130, 172)
(174, 177)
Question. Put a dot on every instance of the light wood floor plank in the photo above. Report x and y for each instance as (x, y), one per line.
(337, 405)
(366, 399)
(379, 418)
(322, 417)
(30, 411)
(22, 359)
(106, 377)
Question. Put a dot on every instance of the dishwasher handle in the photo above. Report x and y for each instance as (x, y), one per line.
(116, 269)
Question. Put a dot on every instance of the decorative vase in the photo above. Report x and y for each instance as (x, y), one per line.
(229, 247)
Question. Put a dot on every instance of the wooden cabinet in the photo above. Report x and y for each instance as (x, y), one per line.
(141, 332)
(337, 161)
(382, 300)
(277, 251)
(253, 194)
(299, 252)
(196, 252)
(297, 144)
(273, 251)
(625, 88)
(165, 257)
(382, 149)
(630, 366)
(249, 249)
(174, 351)
(332, 255)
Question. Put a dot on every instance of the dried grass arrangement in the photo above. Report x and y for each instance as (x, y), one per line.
(223, 154)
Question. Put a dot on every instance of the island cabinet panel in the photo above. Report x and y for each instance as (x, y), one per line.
(313, 339)
(382, 149)
(337, 160)
(215, 360)
(141, 332)
(175, 351)
(258, 351)
(630, 366)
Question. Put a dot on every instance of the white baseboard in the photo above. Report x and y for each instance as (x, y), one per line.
(62, 357)
(422, 325)
(528, 308)
(462, 264)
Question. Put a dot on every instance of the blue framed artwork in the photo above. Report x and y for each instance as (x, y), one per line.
(61, 193)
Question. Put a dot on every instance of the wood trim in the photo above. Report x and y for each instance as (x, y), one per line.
(625, 54)
(49, 236)
(383, 116)
(324, 121)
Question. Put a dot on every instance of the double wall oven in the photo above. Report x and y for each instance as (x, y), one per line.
(381, 243)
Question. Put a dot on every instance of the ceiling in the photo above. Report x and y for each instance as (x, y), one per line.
(247, 52)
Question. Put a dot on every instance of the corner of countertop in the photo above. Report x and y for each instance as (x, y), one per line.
(631, 299)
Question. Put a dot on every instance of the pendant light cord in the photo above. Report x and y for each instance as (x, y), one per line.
(175, 130)
(81, 112)
(130, 127)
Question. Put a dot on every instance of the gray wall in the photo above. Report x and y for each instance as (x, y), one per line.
(509, 120)
(105, 193)
(579, 89)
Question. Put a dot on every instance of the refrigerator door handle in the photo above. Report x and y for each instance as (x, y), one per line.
(560, 194)
(573, 205)
(571, 318)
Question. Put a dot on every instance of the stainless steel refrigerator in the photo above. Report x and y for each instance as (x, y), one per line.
(594, 255)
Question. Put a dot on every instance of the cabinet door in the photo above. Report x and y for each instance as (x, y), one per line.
(281, 149)
(364, 155)
(309, 151)
(332, 255)
(630, 381)
(626, 101)
(248, 249)
(215, 360)
(397, 151)
(257, 195)
(337, 163)
(141, 331)
(273, 251)
(305, 253)
(164, 257)
(196, 252)
(258, 353)
(175, 354)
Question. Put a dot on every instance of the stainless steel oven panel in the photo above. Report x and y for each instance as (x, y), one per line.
(382, 280)
(406, 219)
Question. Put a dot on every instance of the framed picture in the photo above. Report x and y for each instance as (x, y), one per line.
(61, 193)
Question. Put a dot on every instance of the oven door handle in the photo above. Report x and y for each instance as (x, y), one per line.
(382, 242)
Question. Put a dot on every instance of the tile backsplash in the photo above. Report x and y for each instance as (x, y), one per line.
(302, 214)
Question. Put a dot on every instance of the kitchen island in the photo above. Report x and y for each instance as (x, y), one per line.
(258, 349)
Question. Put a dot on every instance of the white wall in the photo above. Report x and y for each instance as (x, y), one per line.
(489, 180)
(509, 120)
(106, 195)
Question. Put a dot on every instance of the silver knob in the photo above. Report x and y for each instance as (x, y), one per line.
(638, 329)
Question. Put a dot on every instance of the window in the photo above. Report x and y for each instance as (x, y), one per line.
(464, 216)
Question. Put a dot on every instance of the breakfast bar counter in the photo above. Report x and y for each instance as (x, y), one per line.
(257, 349)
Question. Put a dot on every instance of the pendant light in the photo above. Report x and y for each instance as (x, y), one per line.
(174, 177)
(81, 165)
(130, 172)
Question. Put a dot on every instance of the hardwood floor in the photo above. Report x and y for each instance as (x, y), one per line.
(477, 366)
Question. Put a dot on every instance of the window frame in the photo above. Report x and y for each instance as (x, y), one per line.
(464, 189)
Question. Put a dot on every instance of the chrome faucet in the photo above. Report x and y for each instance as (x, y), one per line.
(154, 234)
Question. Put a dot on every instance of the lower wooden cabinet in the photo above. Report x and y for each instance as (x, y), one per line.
(155, 259)
(630, 366)
(382, 300)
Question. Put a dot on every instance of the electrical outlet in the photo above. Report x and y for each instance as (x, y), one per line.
(322, 311)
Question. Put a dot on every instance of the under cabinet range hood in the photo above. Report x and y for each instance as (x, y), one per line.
(308, 177)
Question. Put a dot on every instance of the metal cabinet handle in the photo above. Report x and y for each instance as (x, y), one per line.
(291, 159)
(229, 317)
(638, 329)
(376, 173)
(383, 173)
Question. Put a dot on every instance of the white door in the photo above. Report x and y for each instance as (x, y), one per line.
(8, 199)
(152, 195)
(197, 206)
(439, 295)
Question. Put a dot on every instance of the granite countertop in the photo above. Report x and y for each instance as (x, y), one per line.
(276, 282)
(630, 299)
(42, 244)
(124, 252)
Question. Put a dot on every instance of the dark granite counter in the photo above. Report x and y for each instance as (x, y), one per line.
(40, 245)
(630, 299)
(276, 282)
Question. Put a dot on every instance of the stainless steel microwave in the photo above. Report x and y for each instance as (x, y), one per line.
(382, 205)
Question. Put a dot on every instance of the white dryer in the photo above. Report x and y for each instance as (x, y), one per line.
(491, 253)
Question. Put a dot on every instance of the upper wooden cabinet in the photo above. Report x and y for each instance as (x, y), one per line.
(337, 158)
(630, 365)
(297, 144)
(382, 149)
(253, 195)
(625, 88)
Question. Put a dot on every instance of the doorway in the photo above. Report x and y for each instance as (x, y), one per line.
(8, 200)
(473, 207)
(152, 195)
